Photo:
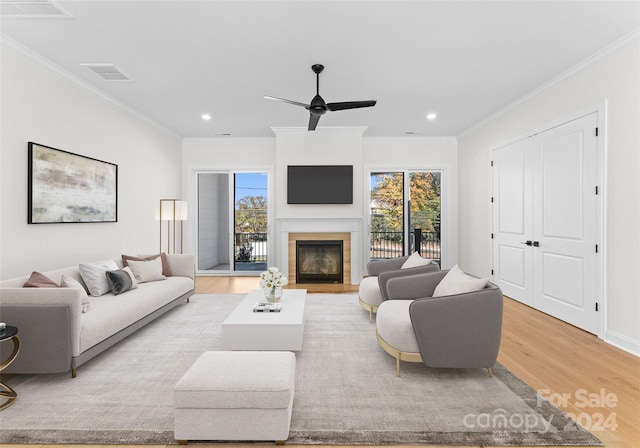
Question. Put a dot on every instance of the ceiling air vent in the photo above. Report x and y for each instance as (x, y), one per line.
(31, 9)
(108, 72)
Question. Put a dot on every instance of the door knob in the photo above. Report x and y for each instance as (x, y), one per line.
(536, 244)
(528, 242)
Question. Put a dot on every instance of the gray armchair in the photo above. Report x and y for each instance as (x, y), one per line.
(373, 288)
(386, 270)
(454, 331)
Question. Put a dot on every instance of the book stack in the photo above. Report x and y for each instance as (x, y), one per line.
(267, 307)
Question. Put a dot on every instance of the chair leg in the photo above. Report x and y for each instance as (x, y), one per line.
(370, 315)
(398, 366)
(490, 372)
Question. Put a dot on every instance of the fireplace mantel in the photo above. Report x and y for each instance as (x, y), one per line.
(353, 226)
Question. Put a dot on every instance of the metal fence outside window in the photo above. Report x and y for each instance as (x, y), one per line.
(251, 247)
(386, 245)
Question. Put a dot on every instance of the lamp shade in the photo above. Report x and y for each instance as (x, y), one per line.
(173, 210)
(181, 210)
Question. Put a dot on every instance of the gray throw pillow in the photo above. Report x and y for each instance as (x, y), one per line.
(121, 280)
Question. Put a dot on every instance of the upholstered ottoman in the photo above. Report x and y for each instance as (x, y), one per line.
(369, 295)
(395, 332)
(236, 395)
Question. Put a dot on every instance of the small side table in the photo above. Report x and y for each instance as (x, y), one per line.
(9, 333)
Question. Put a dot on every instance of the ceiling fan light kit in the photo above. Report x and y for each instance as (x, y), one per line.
(318, 107)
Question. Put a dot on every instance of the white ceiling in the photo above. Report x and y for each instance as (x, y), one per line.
(464, 60)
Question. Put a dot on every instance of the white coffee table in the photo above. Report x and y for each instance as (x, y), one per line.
(245, 330)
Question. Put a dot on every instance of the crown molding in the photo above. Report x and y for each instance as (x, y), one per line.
(425, 138)
(230, 138)
(617, 45)
(321, 130)
(75, 80)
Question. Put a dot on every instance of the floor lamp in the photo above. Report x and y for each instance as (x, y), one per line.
(172, 210)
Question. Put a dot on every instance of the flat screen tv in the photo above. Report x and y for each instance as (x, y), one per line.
(320, 184)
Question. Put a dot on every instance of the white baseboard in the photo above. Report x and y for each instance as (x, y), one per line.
(623, 342)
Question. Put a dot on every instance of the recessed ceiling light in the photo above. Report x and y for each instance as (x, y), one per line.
(431, 116)
(206, 117)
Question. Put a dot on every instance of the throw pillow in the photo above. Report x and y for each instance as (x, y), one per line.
(95, 278)
(165, 264)
(69, 282)
(415, 260)
(458, 282)
(38, 280)
(134, 282)
(119, 281)
(147, 271)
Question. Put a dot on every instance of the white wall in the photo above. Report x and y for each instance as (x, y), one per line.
(42, 106)
(614, 78)
(324, 146)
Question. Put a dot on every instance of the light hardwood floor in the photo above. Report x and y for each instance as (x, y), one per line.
(580, 373)
(232, 285)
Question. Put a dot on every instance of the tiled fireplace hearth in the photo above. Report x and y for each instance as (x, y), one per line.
(344, 231)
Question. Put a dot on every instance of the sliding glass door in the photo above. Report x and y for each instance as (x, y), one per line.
(425, 213)
(387, 233)
(213, 222)
(405, 213)
(232, 224)
(250, 221)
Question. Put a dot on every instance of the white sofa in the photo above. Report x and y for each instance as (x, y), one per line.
(58, 337)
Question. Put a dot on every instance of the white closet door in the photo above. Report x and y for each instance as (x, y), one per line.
(545, 221)
(565, 219)
(512, 221)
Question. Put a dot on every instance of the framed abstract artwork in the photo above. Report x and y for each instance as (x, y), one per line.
(66, 187)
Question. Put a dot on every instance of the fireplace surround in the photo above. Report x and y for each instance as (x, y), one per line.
(318, 237)
(348, 230)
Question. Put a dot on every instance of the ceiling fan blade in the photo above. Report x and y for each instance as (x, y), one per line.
(295, 103)
(350, 105)
(313, 121)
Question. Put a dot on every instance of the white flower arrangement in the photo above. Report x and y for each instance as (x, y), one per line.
(273, 278)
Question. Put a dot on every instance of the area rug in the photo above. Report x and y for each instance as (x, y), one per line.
(346, 389)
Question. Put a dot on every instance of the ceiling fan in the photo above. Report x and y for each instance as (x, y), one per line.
(318, 107)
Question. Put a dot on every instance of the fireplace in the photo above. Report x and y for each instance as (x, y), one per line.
(346, 230)
(319, 261)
